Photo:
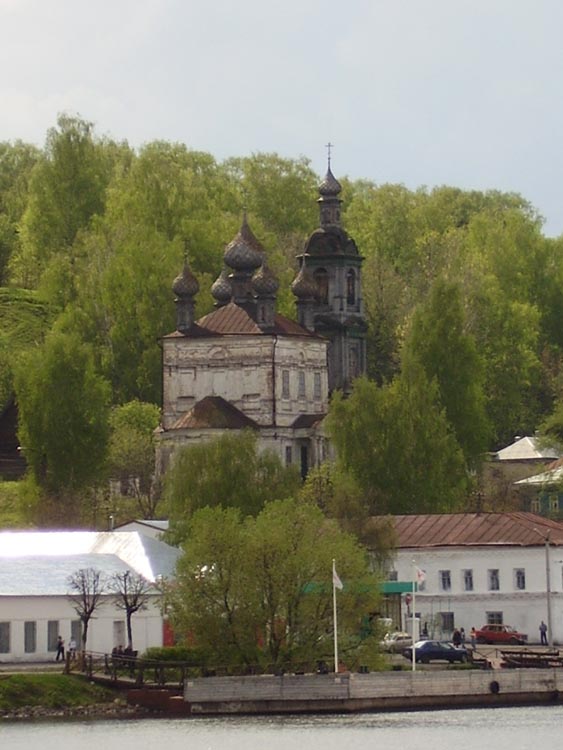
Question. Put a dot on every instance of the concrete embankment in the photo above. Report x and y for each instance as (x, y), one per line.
(369, 692)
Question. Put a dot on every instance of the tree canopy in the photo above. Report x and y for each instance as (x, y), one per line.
(258, 591)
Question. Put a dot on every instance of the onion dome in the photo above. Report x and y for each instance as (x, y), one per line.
(264, 282)
(185, 284)
(304, 285)
(244, 252)
(330, 185)
(221, 289)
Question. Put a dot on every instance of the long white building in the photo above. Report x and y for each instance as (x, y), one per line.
(480, 568)
(35, 567)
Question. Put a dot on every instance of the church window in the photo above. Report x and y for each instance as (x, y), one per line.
(301, 391)
(351, 287)
(321, 278)
(285, 383)
(288, 455)
(353, 363)
(317, 386)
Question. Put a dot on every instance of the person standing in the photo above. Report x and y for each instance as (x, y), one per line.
(60, 649)
(473, 637)
(543, 633)
(72, 648)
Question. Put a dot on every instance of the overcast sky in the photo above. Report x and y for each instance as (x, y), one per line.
(421, 92)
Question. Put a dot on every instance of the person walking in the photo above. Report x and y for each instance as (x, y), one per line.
(543, 633)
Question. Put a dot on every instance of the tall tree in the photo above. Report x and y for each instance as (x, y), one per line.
(440, 343)
(131, 452)
(398, 445)
(63, 411)
(228, 471)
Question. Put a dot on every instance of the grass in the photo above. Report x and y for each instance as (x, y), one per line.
(54, 691)
(12, 515)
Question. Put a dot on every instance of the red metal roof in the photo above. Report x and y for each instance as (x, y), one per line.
(214, 412)
(233, 319)
(476, 529)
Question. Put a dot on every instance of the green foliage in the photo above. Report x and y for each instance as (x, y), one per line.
(192, 655)
(258, 590)
(228, 471)
(63, 409)
(398, 446)
(439, 342)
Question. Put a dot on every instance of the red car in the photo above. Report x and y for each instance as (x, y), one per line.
(500, 634)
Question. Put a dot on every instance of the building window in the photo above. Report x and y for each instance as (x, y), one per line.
(76, 630)
(446, 621)
(30, 637)
(494, 618)
(445, 580)
(317, 394)
(52, 635)
(285, 383)
(520, 579)
(468, 580)
(288, 455)
(553, 503)
(321, 279)
(4, 637)
(392, 575)
(535, 505)
(494, 583)
(351, 287)
(301, 393)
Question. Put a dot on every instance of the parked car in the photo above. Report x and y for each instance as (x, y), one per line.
(396, 642)
(427, 651)
(500, 634)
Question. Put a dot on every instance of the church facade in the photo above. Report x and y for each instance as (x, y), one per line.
(245, 366)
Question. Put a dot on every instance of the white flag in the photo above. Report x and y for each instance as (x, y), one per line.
(420, 575)
(336, 582)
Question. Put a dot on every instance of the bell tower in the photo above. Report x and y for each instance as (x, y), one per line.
(331, 259)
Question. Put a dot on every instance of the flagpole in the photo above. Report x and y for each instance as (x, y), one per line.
(334, 617)
(413, 650)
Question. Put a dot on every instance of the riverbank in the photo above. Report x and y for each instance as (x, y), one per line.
(25, 697)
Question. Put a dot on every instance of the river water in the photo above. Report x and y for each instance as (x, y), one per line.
(537, 728)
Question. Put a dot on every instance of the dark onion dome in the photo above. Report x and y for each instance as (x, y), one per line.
(185, 284)
(330, 185)
(221, 288)
(304, 285)
(244, 252)
(264, 281)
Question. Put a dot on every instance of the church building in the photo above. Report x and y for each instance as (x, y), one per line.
(245, 366)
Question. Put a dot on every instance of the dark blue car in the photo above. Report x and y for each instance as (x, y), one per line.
(427, 651)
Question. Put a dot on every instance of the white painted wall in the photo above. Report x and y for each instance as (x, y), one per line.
(147, 625)
(523, 609)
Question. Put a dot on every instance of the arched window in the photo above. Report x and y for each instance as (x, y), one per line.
(321, 278)
(351, 287)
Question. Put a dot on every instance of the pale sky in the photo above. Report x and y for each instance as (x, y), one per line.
(466, 93)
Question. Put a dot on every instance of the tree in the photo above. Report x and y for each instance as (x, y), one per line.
(131, 452)
(87, 588)
(63, 411)
(439, 342)
(258, 590)
(228, 471)
(132, 593)
(398, 445)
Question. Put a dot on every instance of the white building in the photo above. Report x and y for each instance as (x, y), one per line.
(483, 568)
(35, 567)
